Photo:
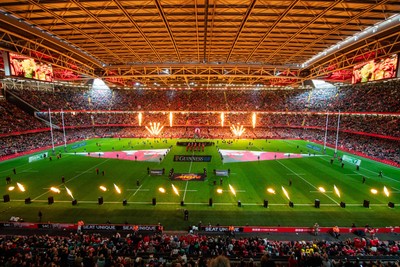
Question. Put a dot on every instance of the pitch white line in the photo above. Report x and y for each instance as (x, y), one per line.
(361, 168)
(73, 178)
(184, 194)
(136, 191)
(306, 181)
(132, 189)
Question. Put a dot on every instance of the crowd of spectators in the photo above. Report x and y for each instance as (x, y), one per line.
(373, 97)
(14, 119)
(379, 148)
(189, 250)
(280, 114)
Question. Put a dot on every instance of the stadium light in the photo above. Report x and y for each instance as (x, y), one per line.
(103, 188)
(285, 192)
(55, 190)
(232, 190)
(386, 191)
(21, 187)
(175, 189)
(271, 190)
(117, 189)
(69, 192)
(336, 190)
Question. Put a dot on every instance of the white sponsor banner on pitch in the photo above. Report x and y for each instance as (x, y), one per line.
(351, 160)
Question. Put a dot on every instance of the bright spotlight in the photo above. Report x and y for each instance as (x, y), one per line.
(175, 189)
(219, 191)
(21, 187)
(11, 188)
(271, 190)
(336, 190)
(55, 190)
(232, 190)
(69, 192)
(285, 192)
(162, 190)
(386, 191)
(117, 189)
(321, 189)
(103, 188)
(374, 191)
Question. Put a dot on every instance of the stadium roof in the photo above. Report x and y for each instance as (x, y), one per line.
(193, 42)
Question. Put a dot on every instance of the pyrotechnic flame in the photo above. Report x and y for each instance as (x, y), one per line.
(117, 189)
(222, 119)
(219, 191)
(162, 190)
(170, 119)
(175, 189)
(55, 190)
(321, 189)
(69, 192)
(21, 187)
(271, 190)
(232, 190)
(103, 188)
(285, 192)
(336, 190)
(386, 191)
(155, 128)
(254, 120)
(238, 130)
(11, 188)
(374, 191)
(140, 119)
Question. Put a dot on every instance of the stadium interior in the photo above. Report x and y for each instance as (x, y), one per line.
(195, 70)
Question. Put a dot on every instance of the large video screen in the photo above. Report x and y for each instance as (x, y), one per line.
(23, 66)
(373, 70)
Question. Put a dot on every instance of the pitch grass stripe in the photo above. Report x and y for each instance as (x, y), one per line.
(136, 191)
(17, 168)
(187, 182)
(204, 203)
(306, 181)
(361, 168)
(73, 178)
(184, 193)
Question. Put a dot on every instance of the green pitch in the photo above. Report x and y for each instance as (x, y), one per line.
(250, 180)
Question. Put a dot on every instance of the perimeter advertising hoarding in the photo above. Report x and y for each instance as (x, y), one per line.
(26, 67)
(374, 70)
